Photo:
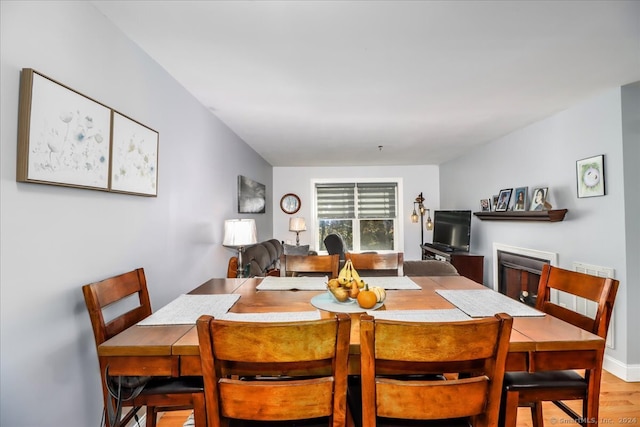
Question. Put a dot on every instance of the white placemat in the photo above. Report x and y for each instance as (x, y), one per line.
(392, 282)
(186, 309)
(273, 283)
(486, 303)
(449, 315)
(273, 316)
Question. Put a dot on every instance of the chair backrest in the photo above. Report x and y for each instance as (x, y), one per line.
(429, 267)
(131, 286)
(314, 264)
(374, 264)
(275, 371)
(601, 290)
(477, 348)
(335, 245)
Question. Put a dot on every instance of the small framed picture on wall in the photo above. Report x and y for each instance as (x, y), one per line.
(503, 200)
(520, 198)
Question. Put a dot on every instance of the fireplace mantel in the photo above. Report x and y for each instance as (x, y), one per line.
(554, 215)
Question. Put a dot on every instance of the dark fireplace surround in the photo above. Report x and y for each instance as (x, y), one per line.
(518, 276)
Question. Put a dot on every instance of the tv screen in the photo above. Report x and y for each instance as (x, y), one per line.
(452, 230)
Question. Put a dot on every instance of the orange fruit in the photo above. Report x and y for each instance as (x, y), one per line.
(367, 299)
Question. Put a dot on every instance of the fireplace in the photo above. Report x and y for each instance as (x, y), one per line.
(517, 271)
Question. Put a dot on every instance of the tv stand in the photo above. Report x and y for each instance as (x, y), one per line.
(468, 265)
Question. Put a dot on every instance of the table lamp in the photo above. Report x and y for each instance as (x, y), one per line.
(297, 224)
(238, 234)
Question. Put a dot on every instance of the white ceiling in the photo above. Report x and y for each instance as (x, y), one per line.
(322, 83)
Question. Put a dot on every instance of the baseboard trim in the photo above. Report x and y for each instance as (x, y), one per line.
(627, 373)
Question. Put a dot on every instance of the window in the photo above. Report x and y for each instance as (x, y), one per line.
(363, 213)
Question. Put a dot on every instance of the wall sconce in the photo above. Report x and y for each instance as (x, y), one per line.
(418, 207)
(429, 221)
(297, 225)
(238, 234)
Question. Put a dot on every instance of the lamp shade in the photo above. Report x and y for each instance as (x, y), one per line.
(239, 233)
(297, 224)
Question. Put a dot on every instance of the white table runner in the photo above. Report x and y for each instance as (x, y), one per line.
(486, 303)
(272, 283)
(273, 316)
(391, 282)
(186, 309)
(448, 315)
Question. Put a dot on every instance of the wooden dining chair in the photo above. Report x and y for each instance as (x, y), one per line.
(374, 264)
(400, 362)
(303, 265)
(531, 389)
(282, 371)
(115, 304)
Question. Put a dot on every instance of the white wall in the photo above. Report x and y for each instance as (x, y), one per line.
(297, 180)
(544, 154)
(56, 239)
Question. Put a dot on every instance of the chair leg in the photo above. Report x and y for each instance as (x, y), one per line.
(511, 408)
(199, 410)
(152, 415)
(536, 414)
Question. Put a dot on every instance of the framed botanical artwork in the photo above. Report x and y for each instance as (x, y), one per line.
(134, 157)
(539, 199)
(520, 199)
(503, 200)
(590, 176)
(251, 196)
(63, 136)
(485, 205)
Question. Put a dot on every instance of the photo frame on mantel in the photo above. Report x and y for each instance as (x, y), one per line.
(63, 136)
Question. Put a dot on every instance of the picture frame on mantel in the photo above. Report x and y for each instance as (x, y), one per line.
(590, 177)
(63, 135)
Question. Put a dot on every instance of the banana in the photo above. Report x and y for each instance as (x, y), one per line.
(342, 275)
(354, 274)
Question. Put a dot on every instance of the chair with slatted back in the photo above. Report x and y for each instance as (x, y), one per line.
(311, 265)
(531, 389)
(116, 295)
(374, 264)
(399, 360)
(275, 371)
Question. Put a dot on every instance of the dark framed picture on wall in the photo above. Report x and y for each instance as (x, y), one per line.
(503, 200)
(251, 196)
(590, 176)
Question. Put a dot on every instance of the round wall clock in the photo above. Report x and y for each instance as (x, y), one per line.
(290, 203)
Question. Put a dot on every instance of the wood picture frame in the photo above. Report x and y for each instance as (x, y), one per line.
(63, 135)
(503, 200)
(590, 176)
(134, 154)
(251, 196)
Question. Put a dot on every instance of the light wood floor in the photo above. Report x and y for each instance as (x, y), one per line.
(619, 406)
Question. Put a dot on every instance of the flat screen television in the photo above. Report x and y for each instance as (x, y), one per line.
(452, 230)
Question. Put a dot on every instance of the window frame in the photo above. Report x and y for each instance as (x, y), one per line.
(398, 235)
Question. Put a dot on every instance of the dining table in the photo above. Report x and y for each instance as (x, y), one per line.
(161, 347)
